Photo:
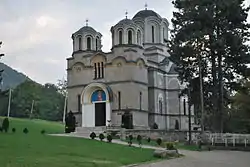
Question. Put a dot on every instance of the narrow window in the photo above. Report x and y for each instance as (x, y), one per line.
(95, 70)
(120, 37)
(177, 126)
(160, 106)
(184, 106)
(96, 44)
(129, 37)
(88, 43)
(102, 69)
(139, 37)
(99, 70)
(80, 43)
(79, 102)
(140, 99)
(119, 100)
(163, 33)
(153, 34)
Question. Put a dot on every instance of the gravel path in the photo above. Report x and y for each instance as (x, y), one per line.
(207, 159)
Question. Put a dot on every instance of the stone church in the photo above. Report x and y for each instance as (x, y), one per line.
(135, 76)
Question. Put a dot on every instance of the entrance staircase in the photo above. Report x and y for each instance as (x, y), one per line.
(86, 131)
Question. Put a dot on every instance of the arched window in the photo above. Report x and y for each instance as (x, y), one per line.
(177, 126)
(89, 43)
(153, 34)
(129, 37)
(139, 37)
(96, 43)
(120, 37)
(160, 106)
(80, 43)
(163, 32)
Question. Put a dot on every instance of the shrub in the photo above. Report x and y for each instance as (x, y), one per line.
(109, 138)
(130, 138)
(5, 125)
(13, 130)
(42, 131)
(1, 129)
(149, 140)
(25, 130)
(139, 138)
(159, 141)
(155, 126)
(170, 146)
(92, 135)
(101, 136)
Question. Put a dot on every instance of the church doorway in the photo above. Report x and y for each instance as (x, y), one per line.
(100, 114)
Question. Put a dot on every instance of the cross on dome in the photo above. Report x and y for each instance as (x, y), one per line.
(126, 14)
(146, 6)
(87, 22)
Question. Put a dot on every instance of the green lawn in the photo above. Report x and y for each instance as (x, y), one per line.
(37, 150)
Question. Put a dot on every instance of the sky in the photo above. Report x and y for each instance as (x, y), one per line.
(36, 34)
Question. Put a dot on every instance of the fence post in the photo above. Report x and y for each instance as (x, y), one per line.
(234, 141)
(212, 141)
(226, 142)
(245, 142)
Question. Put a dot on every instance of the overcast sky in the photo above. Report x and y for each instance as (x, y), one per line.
(37, 34)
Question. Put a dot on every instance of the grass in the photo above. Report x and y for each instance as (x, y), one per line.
(37, 150)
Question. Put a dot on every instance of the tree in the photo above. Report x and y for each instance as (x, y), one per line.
(5, 125)
(1, 70)
(62, 86)
(213, 33)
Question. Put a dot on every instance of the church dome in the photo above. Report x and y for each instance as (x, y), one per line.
(85, 29)
(125, 22)
(146, 13)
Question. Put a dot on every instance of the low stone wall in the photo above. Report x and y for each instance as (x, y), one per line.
(154, 134)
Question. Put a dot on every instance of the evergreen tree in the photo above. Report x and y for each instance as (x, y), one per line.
(215, 33)
(1, 70)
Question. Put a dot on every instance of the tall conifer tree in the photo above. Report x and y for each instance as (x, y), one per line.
(216, 32)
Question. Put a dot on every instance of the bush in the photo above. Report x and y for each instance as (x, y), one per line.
(130, 138)
(139, 138)
(155, 126)
(13, 130)
(42, 132)
(5, 125)
(170, 146)
(92, 135)
(1, 129)
(109, 138)
(25, 130)
(101, 136)
(159, 141)
(149, 140)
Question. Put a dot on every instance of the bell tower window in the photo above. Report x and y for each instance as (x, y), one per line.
(120, 37)
(139, 37)
(153, 34)
(130, 37)
(80, 43)
(88, 43)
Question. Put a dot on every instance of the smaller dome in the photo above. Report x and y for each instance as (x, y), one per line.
(85, 29)
(146, 13)
(125, 22)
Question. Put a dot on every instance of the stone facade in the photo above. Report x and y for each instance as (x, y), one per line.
(136, 75)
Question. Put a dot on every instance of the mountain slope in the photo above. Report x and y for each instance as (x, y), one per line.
(11, 77)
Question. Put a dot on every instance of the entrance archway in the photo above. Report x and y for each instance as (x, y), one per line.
(96, 109)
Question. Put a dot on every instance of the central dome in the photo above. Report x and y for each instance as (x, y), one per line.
(146, 13)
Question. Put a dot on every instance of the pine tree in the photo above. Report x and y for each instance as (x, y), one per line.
(1, 70)
(214, 32)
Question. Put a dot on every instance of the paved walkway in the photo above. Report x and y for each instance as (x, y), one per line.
(207, 159)
(193, 158)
